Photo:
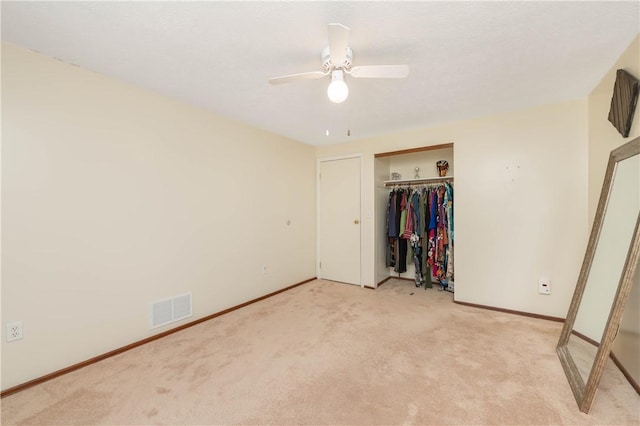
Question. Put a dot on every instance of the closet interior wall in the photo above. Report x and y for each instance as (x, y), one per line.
(382, 167)
(404, 164)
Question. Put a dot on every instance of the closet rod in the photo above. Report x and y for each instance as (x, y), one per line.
(418, 181)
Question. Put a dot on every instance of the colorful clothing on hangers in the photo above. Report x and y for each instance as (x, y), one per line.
(424, 216)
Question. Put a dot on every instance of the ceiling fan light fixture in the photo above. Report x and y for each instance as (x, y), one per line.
(338, 89)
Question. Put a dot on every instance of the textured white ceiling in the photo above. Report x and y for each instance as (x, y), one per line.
(467, 59)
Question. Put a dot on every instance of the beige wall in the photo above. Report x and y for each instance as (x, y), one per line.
(114, 197)
(520, 203)
(603, 138)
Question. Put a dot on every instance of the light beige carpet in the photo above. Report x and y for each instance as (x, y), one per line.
(329, 353)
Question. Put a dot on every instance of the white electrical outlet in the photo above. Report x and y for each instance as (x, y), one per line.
(544, 286)
(14, 331)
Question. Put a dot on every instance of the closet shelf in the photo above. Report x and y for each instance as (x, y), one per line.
(421, 180)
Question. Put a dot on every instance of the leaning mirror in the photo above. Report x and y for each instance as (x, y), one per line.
(605, 278)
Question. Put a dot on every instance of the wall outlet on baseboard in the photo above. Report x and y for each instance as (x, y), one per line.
(544, 286)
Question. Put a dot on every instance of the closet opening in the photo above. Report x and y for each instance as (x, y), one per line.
(414, 226)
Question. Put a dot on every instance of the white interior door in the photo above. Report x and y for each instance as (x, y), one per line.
(339, 220)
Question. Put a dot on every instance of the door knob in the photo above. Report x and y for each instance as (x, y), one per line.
(356, 221)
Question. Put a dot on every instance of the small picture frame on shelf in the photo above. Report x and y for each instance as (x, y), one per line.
(443, 167)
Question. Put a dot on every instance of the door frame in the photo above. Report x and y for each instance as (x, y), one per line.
(318, 208)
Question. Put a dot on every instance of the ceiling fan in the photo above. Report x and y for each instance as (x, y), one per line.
(336, 61)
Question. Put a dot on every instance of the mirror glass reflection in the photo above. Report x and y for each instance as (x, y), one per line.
(608, 263)
(626, 347)
(583, 354)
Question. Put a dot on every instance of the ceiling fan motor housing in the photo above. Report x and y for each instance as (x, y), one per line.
(328, 65)
(337, 60)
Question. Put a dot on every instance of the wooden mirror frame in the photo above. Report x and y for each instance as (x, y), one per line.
(585, 393)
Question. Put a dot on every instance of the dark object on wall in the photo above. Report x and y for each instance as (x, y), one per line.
(623, 101)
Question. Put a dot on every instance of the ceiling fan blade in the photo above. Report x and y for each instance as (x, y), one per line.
(380, 71)
(294, 77)
(338, 43)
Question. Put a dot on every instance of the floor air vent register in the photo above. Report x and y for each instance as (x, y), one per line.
(170, 310)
